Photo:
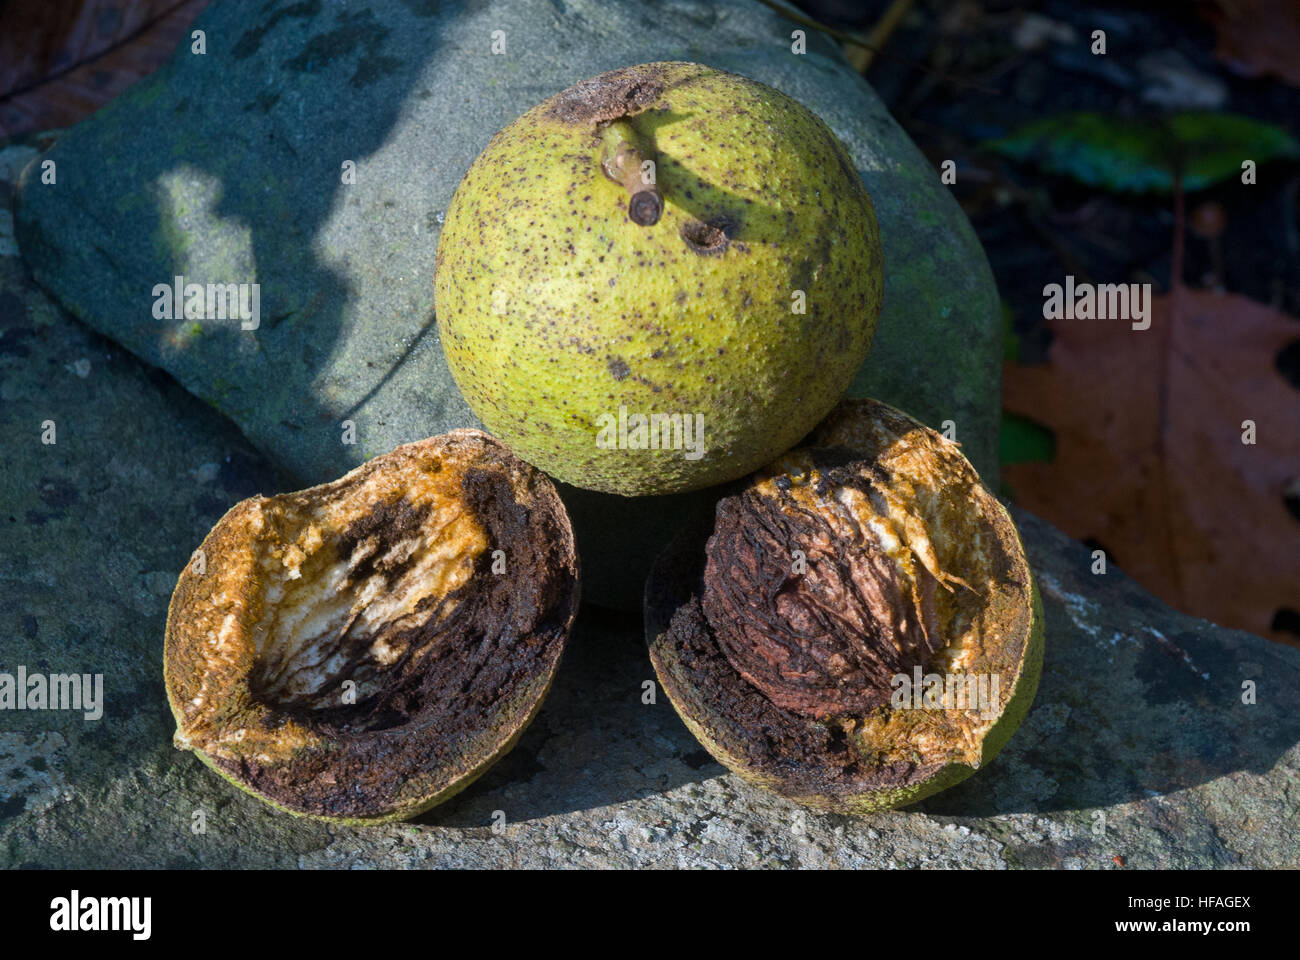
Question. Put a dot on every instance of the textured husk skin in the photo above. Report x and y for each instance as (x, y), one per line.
(674, 578)
(225, 534)
(543, 342)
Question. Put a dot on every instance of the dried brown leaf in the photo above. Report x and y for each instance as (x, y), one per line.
(1259, 37)
(1150, 461)
(60, 62)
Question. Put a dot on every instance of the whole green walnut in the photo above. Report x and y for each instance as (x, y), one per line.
(658, 279)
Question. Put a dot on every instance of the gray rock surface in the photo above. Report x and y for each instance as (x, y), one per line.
(1138, 745)
(227, 167)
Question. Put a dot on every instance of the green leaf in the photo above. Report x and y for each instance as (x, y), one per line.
(1215, 144)
(1022, 441)
(1142, 155)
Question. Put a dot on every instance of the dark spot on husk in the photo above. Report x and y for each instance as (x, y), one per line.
(709, 238)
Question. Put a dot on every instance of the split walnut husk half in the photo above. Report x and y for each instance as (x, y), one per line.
(362, 650)
(859, 629)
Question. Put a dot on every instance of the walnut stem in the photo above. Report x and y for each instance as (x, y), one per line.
(622, 157)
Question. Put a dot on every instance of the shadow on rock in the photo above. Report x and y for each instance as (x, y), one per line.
(594, 742)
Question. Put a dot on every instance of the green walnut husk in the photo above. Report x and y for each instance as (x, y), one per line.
(782, 634)
(365, 649)
(658, 279)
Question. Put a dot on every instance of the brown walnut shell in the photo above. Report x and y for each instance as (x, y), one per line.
(846, 571)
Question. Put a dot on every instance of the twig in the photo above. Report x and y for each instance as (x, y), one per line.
(850, 38)
(879, 35)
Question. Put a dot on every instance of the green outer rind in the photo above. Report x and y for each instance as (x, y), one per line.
(695, 713)
(539, 372)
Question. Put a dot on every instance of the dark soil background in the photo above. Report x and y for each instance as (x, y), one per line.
(958, 74)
